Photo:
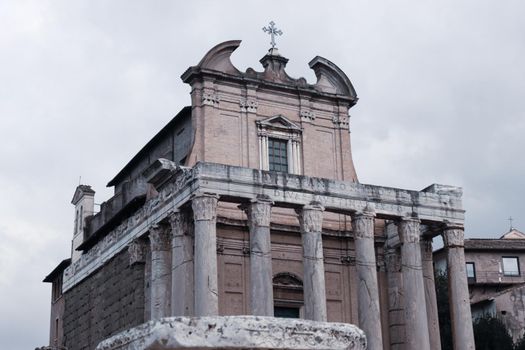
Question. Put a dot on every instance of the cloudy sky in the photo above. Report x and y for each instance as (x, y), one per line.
(84, 84)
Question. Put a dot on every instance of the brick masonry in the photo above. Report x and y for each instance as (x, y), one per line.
(111, 300)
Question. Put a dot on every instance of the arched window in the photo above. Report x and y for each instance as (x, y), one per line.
(287, 295)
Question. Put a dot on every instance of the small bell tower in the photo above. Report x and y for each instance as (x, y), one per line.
(84, 202)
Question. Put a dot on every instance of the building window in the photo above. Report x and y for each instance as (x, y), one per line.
(511, 266)
(471, 272)
(279, 145)
(278, 154)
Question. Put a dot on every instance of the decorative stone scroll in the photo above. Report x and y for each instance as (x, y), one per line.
(307, 115)
(340, 120)
(363, 223)
(210, 99)
(258, 211)
(248, 105)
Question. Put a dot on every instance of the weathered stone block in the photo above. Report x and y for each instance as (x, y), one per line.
(237, 332)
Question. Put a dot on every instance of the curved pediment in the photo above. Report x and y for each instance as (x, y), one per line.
(218, 58)
(331, 78)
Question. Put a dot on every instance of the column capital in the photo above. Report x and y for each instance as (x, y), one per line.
(204, 206)
(409, 230)
(258, 211)
(160, 238)
(363, 222)
(179, 222)
(311, 217)
(137, 252)
(453, 236)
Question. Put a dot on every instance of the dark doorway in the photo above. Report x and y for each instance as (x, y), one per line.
(286, 312)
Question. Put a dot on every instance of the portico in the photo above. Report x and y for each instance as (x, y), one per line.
(259, 192)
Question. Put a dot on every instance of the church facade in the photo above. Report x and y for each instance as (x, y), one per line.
(248, 203)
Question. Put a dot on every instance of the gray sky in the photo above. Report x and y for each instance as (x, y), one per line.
(84, 84)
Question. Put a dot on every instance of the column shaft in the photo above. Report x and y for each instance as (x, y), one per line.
(205, 259)
(417, 337)
(311, 222)
(430, 294)
(261, 287)
(160, 272)
(368, 292)
(182, 295)
(459, 299)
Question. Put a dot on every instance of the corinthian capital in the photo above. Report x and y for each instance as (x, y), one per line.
(363, 223)
(453, 236)
(160, 238)
(409, 230)
(204, 206)
(179, 222)
(311, 218)
(258, 211)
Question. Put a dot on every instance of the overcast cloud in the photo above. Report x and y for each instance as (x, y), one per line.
(84, 84)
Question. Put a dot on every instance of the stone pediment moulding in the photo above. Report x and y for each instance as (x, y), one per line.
(331, 79)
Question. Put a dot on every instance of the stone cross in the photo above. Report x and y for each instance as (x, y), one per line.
(273, 31)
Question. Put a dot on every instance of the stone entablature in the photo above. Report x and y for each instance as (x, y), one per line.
(435, 205)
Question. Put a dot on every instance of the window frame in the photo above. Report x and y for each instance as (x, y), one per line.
(470, 279)
(511, 273)
(272, 164)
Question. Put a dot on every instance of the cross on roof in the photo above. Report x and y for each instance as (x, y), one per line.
(510, 220)
(273, 31)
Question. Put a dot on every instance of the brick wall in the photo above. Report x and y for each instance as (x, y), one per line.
(109, 301)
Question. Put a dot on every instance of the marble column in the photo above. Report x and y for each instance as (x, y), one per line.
(182, 295)
(459, 299)
(430, 294)
(368, 291)
(417, 337)
(206, 301)
(261, 287)
(159, 236)
(311, 222)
